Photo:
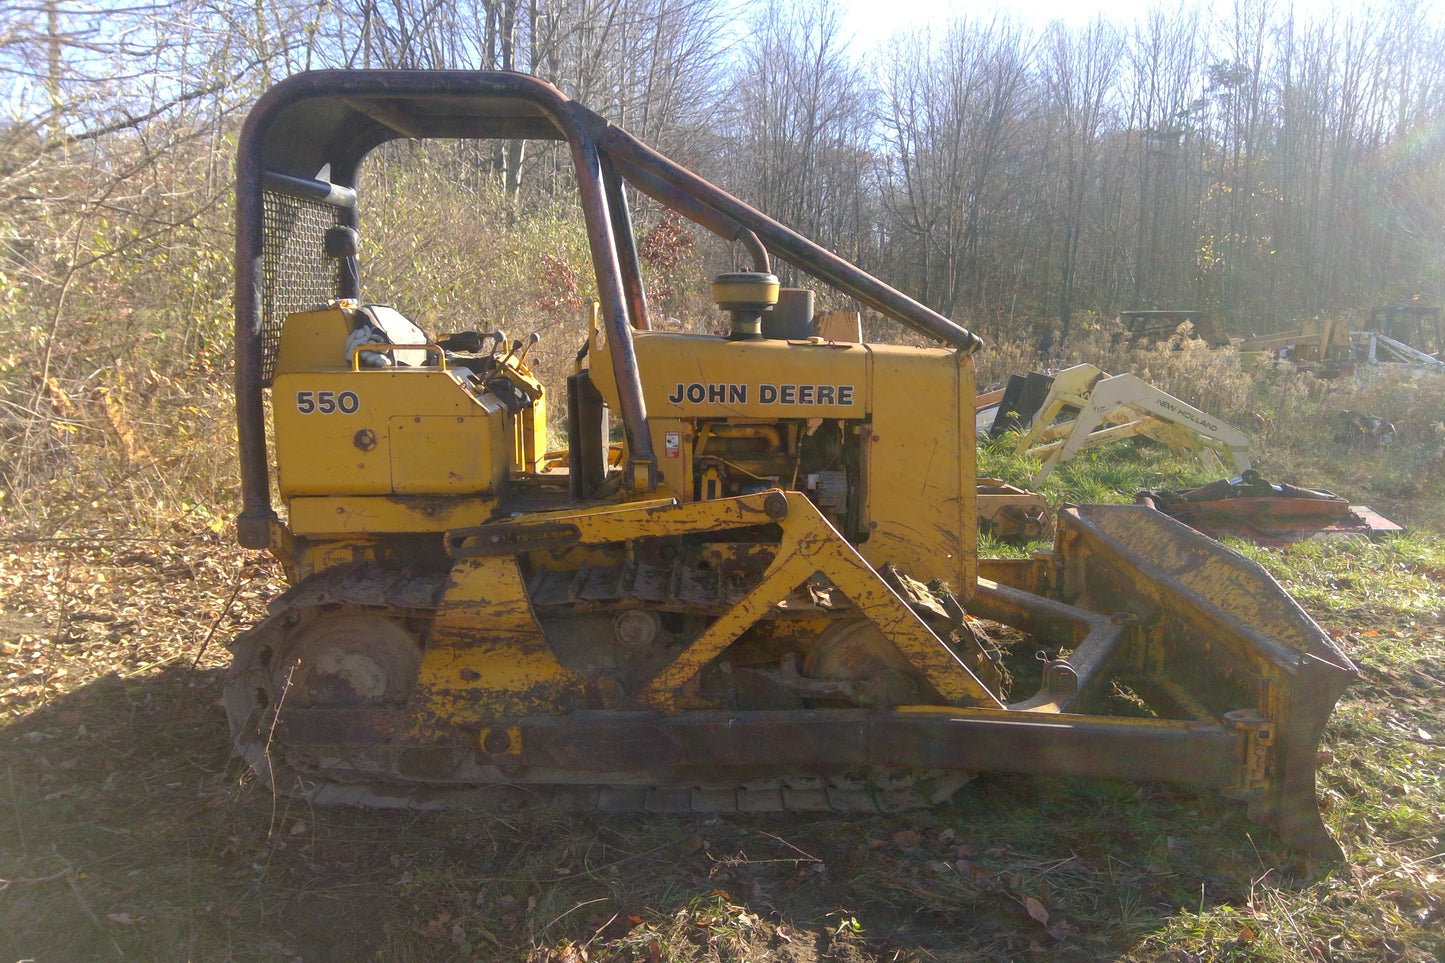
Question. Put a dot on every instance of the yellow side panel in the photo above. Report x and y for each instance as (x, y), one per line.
(334, 432)
(377, 514)
(340, 448)
(698, 376)
(443, 454)
(919, 464)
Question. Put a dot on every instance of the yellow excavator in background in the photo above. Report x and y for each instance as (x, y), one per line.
(769, 598)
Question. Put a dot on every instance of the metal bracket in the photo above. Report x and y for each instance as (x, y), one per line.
(482, 541)
(1256, 745)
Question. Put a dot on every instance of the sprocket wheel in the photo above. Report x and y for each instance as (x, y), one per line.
(346, 659)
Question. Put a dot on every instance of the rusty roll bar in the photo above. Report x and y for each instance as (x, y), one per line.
(674, 185)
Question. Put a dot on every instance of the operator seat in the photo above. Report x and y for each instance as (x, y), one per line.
(383, 324)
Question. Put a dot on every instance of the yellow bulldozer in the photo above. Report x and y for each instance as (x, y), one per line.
(763, 594)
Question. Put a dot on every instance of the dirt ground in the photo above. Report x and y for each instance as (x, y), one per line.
(128, 830)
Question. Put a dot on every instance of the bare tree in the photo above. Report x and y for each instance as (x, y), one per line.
(1079, 72)
(950, 116)
(799, 123)
(1164, 60)
(113, 179)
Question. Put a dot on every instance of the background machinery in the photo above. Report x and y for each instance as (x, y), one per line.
(1325, 340)
(1415, 325)
(1145, 327)
(1082, 407)
(769, 598)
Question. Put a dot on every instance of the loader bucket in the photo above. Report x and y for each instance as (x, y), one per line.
(1199, 633)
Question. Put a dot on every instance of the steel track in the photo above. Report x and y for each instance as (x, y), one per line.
(400, 596)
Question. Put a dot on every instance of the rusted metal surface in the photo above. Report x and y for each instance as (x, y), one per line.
(719, 749)
(620, 219)
(1095, 642)
(696, 211)
(1251, 508)
(502, 539)
(1010, 513)
(1221, 636)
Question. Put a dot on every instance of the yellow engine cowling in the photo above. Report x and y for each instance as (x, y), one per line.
(880, 437)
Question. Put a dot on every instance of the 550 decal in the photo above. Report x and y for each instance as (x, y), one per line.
(327, 402)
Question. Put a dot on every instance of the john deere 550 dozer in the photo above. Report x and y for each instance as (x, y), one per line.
(766, 598)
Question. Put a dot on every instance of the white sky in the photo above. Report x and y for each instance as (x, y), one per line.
(872, 20)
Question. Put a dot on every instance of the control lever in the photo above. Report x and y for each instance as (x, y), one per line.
(520, 350)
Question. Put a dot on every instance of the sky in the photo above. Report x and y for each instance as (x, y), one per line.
(874, 19)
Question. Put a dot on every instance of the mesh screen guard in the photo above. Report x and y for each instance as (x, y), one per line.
(296, 273)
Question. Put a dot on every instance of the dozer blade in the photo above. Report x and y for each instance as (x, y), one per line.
(1199, 633)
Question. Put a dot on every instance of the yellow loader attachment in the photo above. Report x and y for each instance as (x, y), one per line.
(1111, 408)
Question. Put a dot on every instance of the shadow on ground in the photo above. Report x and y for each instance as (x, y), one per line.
(127, 831)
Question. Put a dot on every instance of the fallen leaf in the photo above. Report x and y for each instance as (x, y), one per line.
(1036, 910)
(1424, 736)
(572, 953)
(907, 839)
(970, 871)
(298, 827)
(1062, 930)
